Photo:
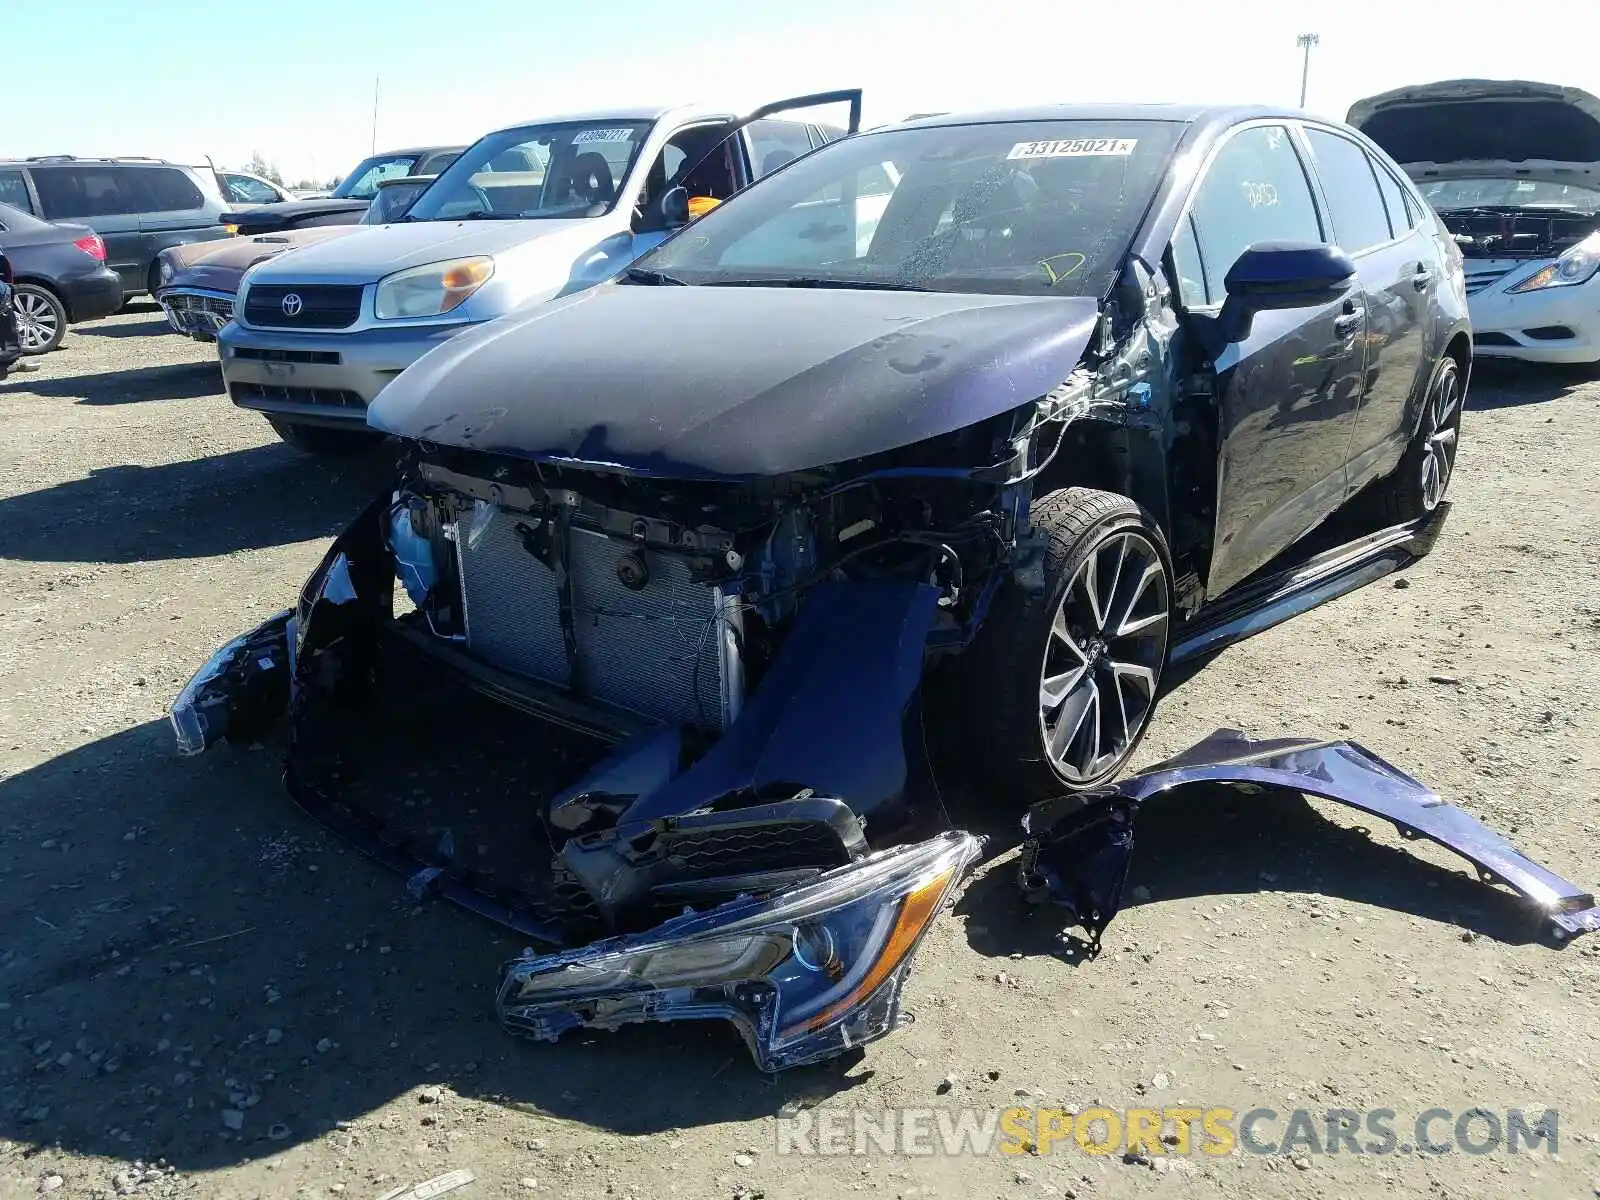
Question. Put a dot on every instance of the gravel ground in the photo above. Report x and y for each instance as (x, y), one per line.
(204, 995)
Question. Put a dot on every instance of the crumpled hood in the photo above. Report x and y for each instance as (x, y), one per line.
(218, 265)
(1464, 128)
(379, 250)
(734, 382)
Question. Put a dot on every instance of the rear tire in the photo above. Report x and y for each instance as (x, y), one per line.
(1065, 680)
(41, 318)
(319, 439)
(1418, 484)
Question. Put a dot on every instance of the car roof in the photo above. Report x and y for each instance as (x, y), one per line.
(47, 160)
(636, 113)
(1219, 116)
(420, 150)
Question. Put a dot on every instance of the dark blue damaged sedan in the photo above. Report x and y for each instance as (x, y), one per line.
(955, 434)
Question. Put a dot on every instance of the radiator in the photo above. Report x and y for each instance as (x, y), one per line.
(668, 651)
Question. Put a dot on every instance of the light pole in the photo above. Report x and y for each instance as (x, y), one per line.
(1305, 41)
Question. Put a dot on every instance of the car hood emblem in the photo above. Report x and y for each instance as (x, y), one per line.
(292, 304)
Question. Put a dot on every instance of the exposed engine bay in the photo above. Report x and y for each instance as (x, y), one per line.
(1507, 231)
(668, 600)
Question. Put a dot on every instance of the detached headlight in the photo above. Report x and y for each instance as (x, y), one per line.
(432, 290)
(241, 688)
(1577, 265)
(804, 975)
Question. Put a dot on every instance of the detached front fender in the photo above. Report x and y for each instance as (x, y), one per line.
(1079, 848)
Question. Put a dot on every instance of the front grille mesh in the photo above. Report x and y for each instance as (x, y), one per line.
(665, 652)
(219, 306)
(773, 846)
(196, 313)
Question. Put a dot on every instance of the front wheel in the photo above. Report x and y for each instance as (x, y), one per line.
(41, 318)
(320, 439)
(1068, 676)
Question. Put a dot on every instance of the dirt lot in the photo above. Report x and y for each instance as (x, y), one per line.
(178, 942)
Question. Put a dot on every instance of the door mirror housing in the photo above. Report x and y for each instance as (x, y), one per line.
(1280, 275)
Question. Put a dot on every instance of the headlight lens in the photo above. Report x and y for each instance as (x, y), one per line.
(1577, 265)
(431, 290)
(166, 271)
(804, 975)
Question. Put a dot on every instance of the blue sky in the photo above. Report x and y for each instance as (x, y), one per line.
(294, 78)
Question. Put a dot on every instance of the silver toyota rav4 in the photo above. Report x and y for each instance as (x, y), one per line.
(526, 214)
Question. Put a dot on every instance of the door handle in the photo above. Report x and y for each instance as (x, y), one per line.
(1422, 278)
(1347, 324)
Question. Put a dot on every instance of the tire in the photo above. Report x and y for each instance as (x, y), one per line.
(1050, 657)
(319, 439)
(1417, 486)
(41, 318)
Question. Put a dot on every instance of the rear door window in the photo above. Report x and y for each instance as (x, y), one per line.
(435, 163)
(14, 191)
(1401, 220)
(242, 189)
(1413, 208)
(86, 191)
(166, 189)
(1254, 191)
(1354, 202)
(363, 182)
(774, 143)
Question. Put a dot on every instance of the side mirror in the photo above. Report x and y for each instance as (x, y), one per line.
(1280, 275)
(675, 206)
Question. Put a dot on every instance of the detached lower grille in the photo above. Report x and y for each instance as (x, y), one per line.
(667, 651)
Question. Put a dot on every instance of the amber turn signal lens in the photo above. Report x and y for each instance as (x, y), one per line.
(916, 911)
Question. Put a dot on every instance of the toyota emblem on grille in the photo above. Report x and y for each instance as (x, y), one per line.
(292, 304)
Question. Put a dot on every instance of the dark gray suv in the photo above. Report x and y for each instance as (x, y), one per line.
(138, 206)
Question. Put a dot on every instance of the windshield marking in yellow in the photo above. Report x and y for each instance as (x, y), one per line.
(1062, 266)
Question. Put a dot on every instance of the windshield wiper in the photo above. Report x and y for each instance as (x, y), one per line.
(810, 281)
(654, 278)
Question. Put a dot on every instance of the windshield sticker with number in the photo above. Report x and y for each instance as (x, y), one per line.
(1075, 148)
(601, 135)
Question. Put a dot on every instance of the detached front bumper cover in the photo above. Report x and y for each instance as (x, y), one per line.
(1079, 849)
(806, 974)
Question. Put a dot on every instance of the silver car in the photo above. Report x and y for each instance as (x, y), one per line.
(526, 214)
